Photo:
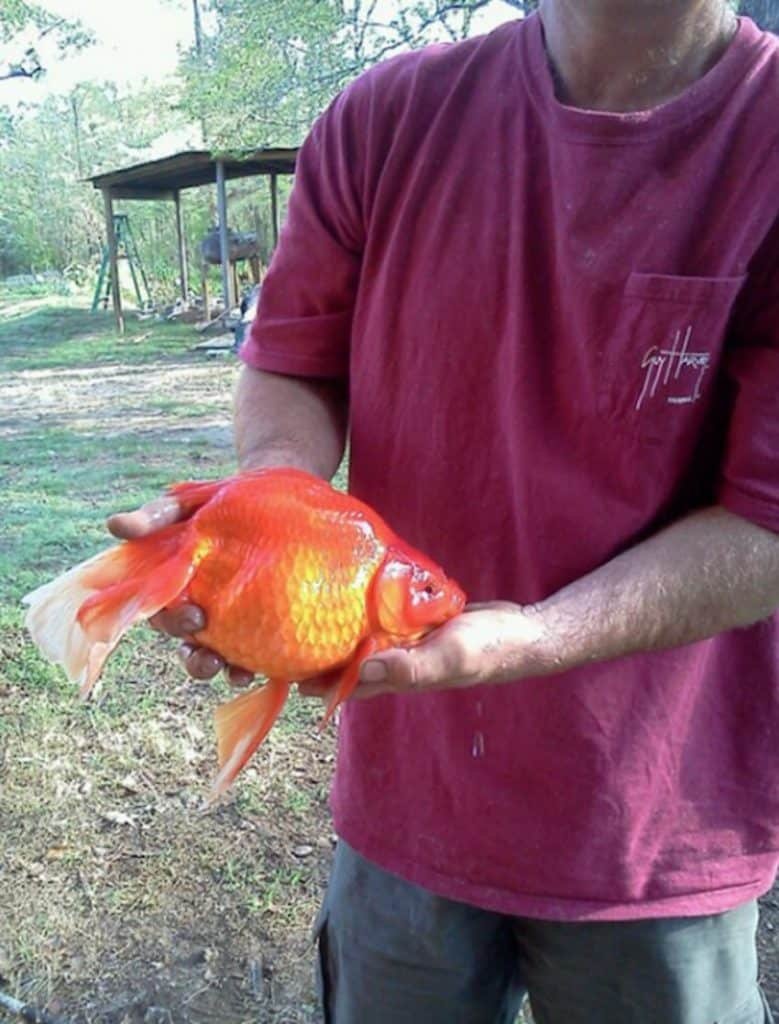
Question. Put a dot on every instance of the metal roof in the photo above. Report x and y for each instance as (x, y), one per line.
(159, 179)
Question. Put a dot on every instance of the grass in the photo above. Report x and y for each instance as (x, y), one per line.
(107, 865)
(57, 333)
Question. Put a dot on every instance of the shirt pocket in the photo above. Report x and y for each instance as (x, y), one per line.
(660, 362)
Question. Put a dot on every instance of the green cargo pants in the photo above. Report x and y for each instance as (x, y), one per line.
(393, 953)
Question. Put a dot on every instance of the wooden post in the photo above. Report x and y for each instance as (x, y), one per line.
(274, 207)
(182, 246)
(224, 244)
(112, 259)
(206, 295)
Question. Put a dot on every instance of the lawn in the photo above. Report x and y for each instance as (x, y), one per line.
(121, 901)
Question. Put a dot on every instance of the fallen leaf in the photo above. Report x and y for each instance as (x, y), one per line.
(130, 784)
(57, 852)
(117, 818)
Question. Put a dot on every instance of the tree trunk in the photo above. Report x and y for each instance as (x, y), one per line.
(764, 12)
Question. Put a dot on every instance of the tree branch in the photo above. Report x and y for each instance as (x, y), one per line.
(20, 71)
(52, 27)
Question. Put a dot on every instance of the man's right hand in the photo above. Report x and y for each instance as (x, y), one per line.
(180, 620)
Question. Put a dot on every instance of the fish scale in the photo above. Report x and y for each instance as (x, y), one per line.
(293, 581)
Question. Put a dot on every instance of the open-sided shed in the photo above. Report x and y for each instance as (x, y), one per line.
(168, 177)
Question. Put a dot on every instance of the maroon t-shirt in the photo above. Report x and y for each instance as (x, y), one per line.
(561, 332)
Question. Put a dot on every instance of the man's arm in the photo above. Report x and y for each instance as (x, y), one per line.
(705, 574)
(279, 421)
(290, 421)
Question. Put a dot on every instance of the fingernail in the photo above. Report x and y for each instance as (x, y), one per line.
(373, 672)
(191, 622)
(162, 510)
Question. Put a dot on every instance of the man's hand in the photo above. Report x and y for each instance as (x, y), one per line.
(180, 620)
(488, 643)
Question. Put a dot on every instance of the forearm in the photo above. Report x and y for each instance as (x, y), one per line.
(289, 421)
(708, 573)
(705, 574)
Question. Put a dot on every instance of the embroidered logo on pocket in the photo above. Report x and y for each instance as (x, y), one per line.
(674, 374)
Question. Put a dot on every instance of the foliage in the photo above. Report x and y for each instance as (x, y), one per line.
(23, 27)
(51, 217)
(263, 71)
(260, 75)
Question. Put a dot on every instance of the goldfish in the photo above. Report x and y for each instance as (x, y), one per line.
(296, 580)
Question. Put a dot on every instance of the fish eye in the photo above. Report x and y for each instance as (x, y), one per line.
(429, 590)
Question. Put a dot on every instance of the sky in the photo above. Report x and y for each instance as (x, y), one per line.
(139, 40)
(135, 41)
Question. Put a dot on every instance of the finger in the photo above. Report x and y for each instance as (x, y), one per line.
(385, 674)
(439, 662)
(144, 520)
(491, 606)
(182, 620)
(238, 676)
(200, 662)
(389, 672)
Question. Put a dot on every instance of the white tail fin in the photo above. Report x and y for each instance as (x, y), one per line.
(78, 618)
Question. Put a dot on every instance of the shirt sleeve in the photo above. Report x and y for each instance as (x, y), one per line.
(304, 316)
(749, 482)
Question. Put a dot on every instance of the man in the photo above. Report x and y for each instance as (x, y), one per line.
(545, 263)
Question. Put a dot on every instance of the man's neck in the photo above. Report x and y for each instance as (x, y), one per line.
(622, 55)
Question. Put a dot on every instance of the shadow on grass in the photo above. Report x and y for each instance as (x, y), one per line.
(49, 335)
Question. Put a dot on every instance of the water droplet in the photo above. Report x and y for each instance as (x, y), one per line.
(477, 747)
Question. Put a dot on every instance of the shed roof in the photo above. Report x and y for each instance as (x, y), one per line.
(159, 179)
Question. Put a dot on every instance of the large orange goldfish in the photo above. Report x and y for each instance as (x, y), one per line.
(296, 579)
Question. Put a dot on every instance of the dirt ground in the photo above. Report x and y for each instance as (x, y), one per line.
(122, 903)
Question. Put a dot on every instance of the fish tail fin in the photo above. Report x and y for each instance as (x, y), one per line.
(78, 618)
(241, 726)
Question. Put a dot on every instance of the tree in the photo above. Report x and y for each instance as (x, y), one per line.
(764, 12)
(49, 216)
(24, 27)
(263, 71)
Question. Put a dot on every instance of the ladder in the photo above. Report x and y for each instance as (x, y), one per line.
(126, 249)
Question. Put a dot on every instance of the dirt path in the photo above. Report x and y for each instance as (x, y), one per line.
(121, 400)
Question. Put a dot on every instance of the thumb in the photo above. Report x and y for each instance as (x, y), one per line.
(152, 516)
(400, 669)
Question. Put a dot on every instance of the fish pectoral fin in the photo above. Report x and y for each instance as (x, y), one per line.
(346, 683)
(241, 726)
